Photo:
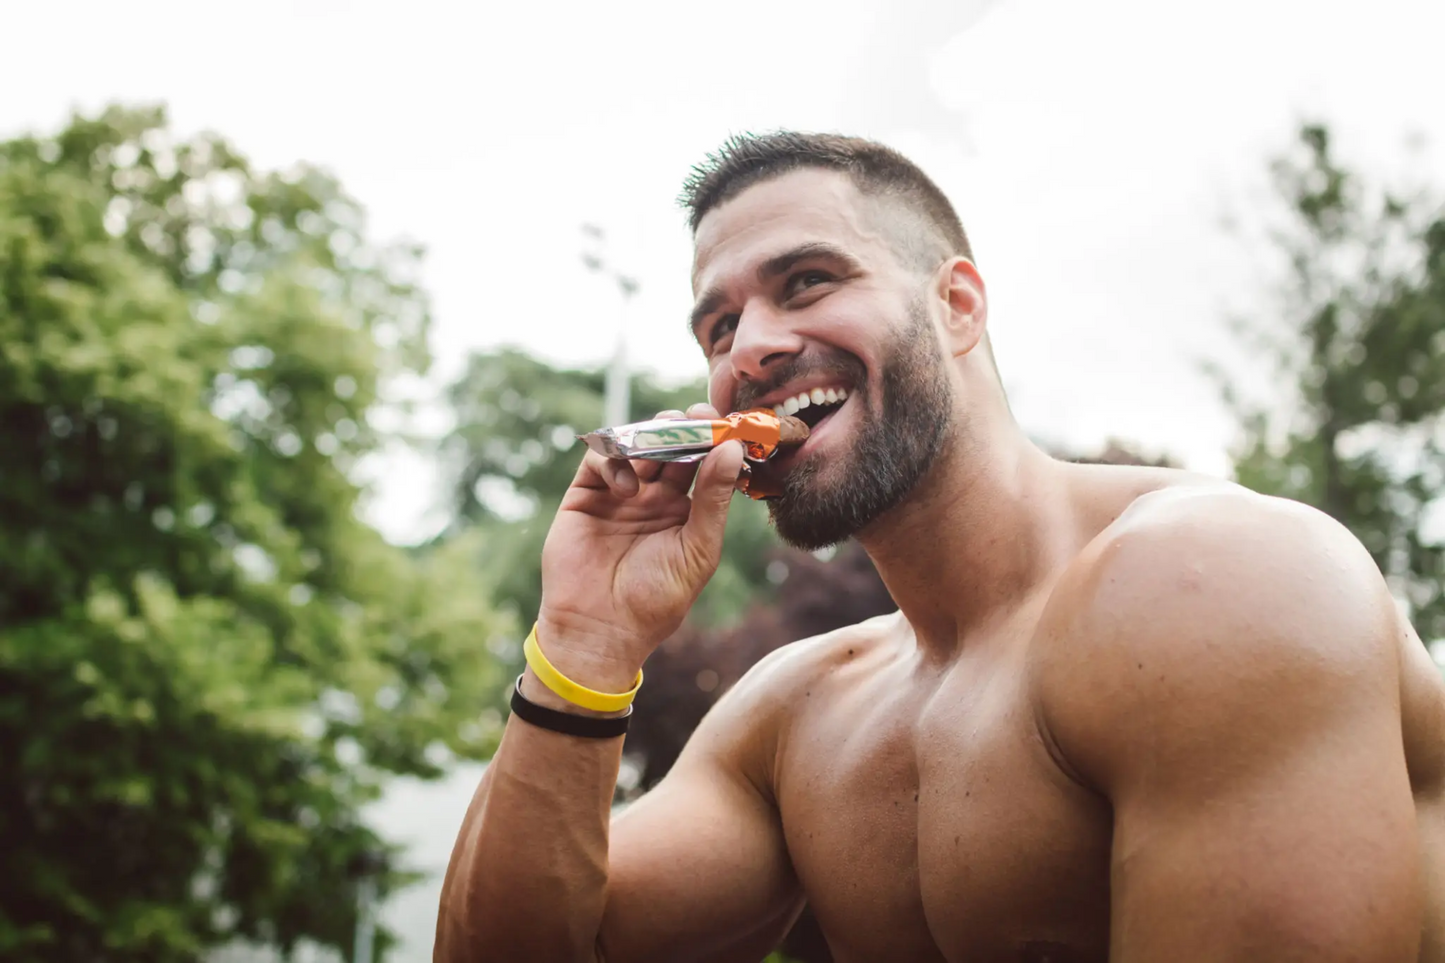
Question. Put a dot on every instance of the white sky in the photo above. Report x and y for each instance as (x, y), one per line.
(1091, 148)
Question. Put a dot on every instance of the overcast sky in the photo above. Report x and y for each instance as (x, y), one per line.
(1091, 148)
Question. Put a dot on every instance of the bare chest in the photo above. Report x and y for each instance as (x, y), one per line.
(940, 829)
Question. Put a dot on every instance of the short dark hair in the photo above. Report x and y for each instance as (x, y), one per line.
(877, 171)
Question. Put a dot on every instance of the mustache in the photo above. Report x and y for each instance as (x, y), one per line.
(845, 367)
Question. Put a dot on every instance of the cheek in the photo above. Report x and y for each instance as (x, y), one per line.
(720, 386)
(864, 329)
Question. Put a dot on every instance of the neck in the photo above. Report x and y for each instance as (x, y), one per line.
(987, 525)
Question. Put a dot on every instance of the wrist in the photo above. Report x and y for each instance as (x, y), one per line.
(534, 690)
(598, 660)
(582, 661)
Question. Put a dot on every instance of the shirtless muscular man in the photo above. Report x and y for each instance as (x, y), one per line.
(1123, 714)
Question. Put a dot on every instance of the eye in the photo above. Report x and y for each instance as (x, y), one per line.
(725, 326)
(807, 279)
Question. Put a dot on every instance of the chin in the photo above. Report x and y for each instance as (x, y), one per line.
(819, 506)
(826, 502)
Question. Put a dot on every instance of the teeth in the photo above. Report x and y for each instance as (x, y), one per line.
(805, 399)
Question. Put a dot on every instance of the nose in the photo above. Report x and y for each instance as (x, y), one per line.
(762, 340)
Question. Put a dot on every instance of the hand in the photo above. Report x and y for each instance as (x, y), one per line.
(627, 555)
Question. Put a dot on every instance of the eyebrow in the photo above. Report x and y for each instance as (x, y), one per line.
(769, 269)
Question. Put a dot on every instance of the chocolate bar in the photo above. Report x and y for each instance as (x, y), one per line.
(762, 431)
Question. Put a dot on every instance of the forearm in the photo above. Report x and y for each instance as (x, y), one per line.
(528, 874)
(625, 558)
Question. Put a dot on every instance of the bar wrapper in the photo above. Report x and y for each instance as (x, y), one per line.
(761, 430)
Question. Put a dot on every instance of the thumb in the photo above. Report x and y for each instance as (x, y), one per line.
(711, 495)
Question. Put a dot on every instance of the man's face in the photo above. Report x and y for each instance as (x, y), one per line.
(799, 294)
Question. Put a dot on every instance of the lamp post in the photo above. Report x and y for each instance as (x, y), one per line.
(365, 868)
(617, 398)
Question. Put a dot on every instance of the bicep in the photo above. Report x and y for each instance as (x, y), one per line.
(698, 868)
(1225, 670)
(1311, 856)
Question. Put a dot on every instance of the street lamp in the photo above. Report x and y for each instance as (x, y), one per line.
(617, 402)
(365, 867)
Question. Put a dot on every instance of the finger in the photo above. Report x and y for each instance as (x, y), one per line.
(598, 472)
(646, 469)
(679, 475)
(670, 413)
(620, 478)
(594, 471)
(589, 471)
(703, 532)
(702, 410)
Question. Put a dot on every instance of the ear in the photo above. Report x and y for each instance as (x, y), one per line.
(960, 287)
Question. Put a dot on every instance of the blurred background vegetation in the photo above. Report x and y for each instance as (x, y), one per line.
(209, 666)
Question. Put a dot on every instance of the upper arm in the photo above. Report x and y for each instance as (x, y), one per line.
(1229, 678)
(698, 867)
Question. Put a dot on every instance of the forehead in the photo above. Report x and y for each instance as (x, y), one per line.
(781, 213)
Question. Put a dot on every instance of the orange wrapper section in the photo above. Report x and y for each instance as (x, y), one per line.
(761, 430)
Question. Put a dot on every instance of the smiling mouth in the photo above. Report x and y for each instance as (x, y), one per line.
(819, 416)
(815, 416)
(813, 407)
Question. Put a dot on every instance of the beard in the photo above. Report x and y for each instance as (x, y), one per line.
(897, 443)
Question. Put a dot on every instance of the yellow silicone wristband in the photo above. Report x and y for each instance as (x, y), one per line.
(578, 695)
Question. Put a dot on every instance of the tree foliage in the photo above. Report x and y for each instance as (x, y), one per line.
(207, 663)
(1357, 350)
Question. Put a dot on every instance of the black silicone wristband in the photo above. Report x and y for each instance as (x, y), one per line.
(587, 727)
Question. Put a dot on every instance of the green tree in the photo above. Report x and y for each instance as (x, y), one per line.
(1358, 353)
(207, 663)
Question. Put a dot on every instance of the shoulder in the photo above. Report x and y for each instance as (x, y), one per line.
(772, 685)
(1190, 543)
(749, 720)
(1192, 562)
(1201, 611)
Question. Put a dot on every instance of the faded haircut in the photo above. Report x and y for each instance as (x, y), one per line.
(879, 173)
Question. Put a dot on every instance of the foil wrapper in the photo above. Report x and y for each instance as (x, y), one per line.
(762, 431)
